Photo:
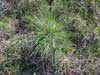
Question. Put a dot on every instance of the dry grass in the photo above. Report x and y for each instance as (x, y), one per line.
(56, 38)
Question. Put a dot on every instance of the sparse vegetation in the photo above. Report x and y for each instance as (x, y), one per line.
(49, 37)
